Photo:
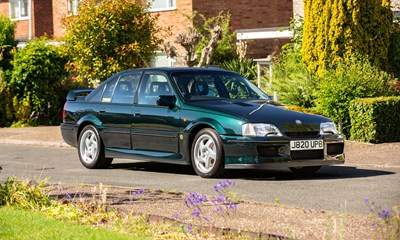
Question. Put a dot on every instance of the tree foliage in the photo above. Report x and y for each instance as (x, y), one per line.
(7, 41)
(335, 30)
(109, 36)
(35, 82)
(225, 48)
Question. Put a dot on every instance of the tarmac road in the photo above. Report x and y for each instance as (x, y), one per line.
(333, 188)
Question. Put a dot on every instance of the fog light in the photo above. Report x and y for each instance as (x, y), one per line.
(281, 150)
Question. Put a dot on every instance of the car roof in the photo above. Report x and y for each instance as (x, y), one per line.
(180, 69)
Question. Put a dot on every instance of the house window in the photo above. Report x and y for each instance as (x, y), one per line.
(162, 5)
(19, 9)
(73, 6)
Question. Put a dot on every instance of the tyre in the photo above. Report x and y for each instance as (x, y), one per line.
(91, 149)
(207, 154)
(305, 171)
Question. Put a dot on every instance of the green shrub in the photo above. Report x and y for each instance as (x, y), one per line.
(36, 83)
(350, 80)
(375, 120)
(25, 194)
(394, 50)
(7, 41)
(291, 79)
(245, 67)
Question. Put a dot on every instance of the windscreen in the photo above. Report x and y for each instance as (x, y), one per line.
(203, 85)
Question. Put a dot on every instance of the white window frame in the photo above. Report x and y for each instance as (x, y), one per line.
(17, 16)
(169, 6)
(73, 6)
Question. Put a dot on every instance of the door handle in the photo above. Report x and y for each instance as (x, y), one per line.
(136, 114)
(102, 110)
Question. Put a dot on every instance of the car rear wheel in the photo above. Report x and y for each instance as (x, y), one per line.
(305, 170)
(91, 149)
(208, 154)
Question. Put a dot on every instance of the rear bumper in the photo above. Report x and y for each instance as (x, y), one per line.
(69, 133)
(256, 153)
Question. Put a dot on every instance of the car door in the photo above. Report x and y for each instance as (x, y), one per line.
(155, 128)
(116, 108)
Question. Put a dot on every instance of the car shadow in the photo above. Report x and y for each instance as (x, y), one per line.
(155, 167)
(326, 172)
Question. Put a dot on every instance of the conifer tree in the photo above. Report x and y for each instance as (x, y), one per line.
(336, 30)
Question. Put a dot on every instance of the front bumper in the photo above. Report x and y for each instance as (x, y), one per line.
(245, 152)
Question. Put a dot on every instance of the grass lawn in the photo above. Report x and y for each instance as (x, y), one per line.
(24, 224)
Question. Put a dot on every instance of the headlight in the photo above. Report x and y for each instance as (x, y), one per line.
(327, 128)
(260, 130)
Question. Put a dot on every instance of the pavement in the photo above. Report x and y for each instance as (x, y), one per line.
(384, 155)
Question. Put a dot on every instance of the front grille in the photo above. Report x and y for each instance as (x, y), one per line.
(264, 151)
(311, 134)
(335, 148)
(307, 154)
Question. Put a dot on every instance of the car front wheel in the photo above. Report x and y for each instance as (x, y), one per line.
(91, 150)
(208, 154)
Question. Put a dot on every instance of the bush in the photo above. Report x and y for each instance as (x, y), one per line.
(351, 80)
(36, 83)
(26, 194)
(245, 67)
(291, 80)
(375, 120)
(7, 41)
(394, 50)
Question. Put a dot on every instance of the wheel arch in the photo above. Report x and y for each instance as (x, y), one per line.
(87, 120)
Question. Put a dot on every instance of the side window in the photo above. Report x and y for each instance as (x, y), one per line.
(126, 88)
(108, 91)
(153, 85)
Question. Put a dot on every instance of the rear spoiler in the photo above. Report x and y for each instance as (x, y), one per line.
(75, 93)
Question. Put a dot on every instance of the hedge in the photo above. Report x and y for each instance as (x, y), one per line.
(375, 120)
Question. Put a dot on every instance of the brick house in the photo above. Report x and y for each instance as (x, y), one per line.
(254, 20)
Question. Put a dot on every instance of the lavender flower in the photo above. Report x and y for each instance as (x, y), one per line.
(385, 214)
(137, 192)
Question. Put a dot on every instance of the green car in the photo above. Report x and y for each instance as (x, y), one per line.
(211, 119)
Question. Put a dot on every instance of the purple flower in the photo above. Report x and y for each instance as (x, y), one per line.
(366, 200)
(371, 209)
(374, 225)
(385, 214)
(190, 228)
(68, 196)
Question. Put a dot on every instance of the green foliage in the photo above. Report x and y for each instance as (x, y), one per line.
(7, 41)
(110, 36)
(394, 50)
(245, 67)
(291, 80)
(335, 30)
(25, 194)
(351, 80)
(226, 49)
(375, 120)
(36, 83)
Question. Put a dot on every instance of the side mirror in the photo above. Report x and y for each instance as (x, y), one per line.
(167, 101)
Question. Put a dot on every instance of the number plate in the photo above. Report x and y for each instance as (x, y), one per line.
(306, 145)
